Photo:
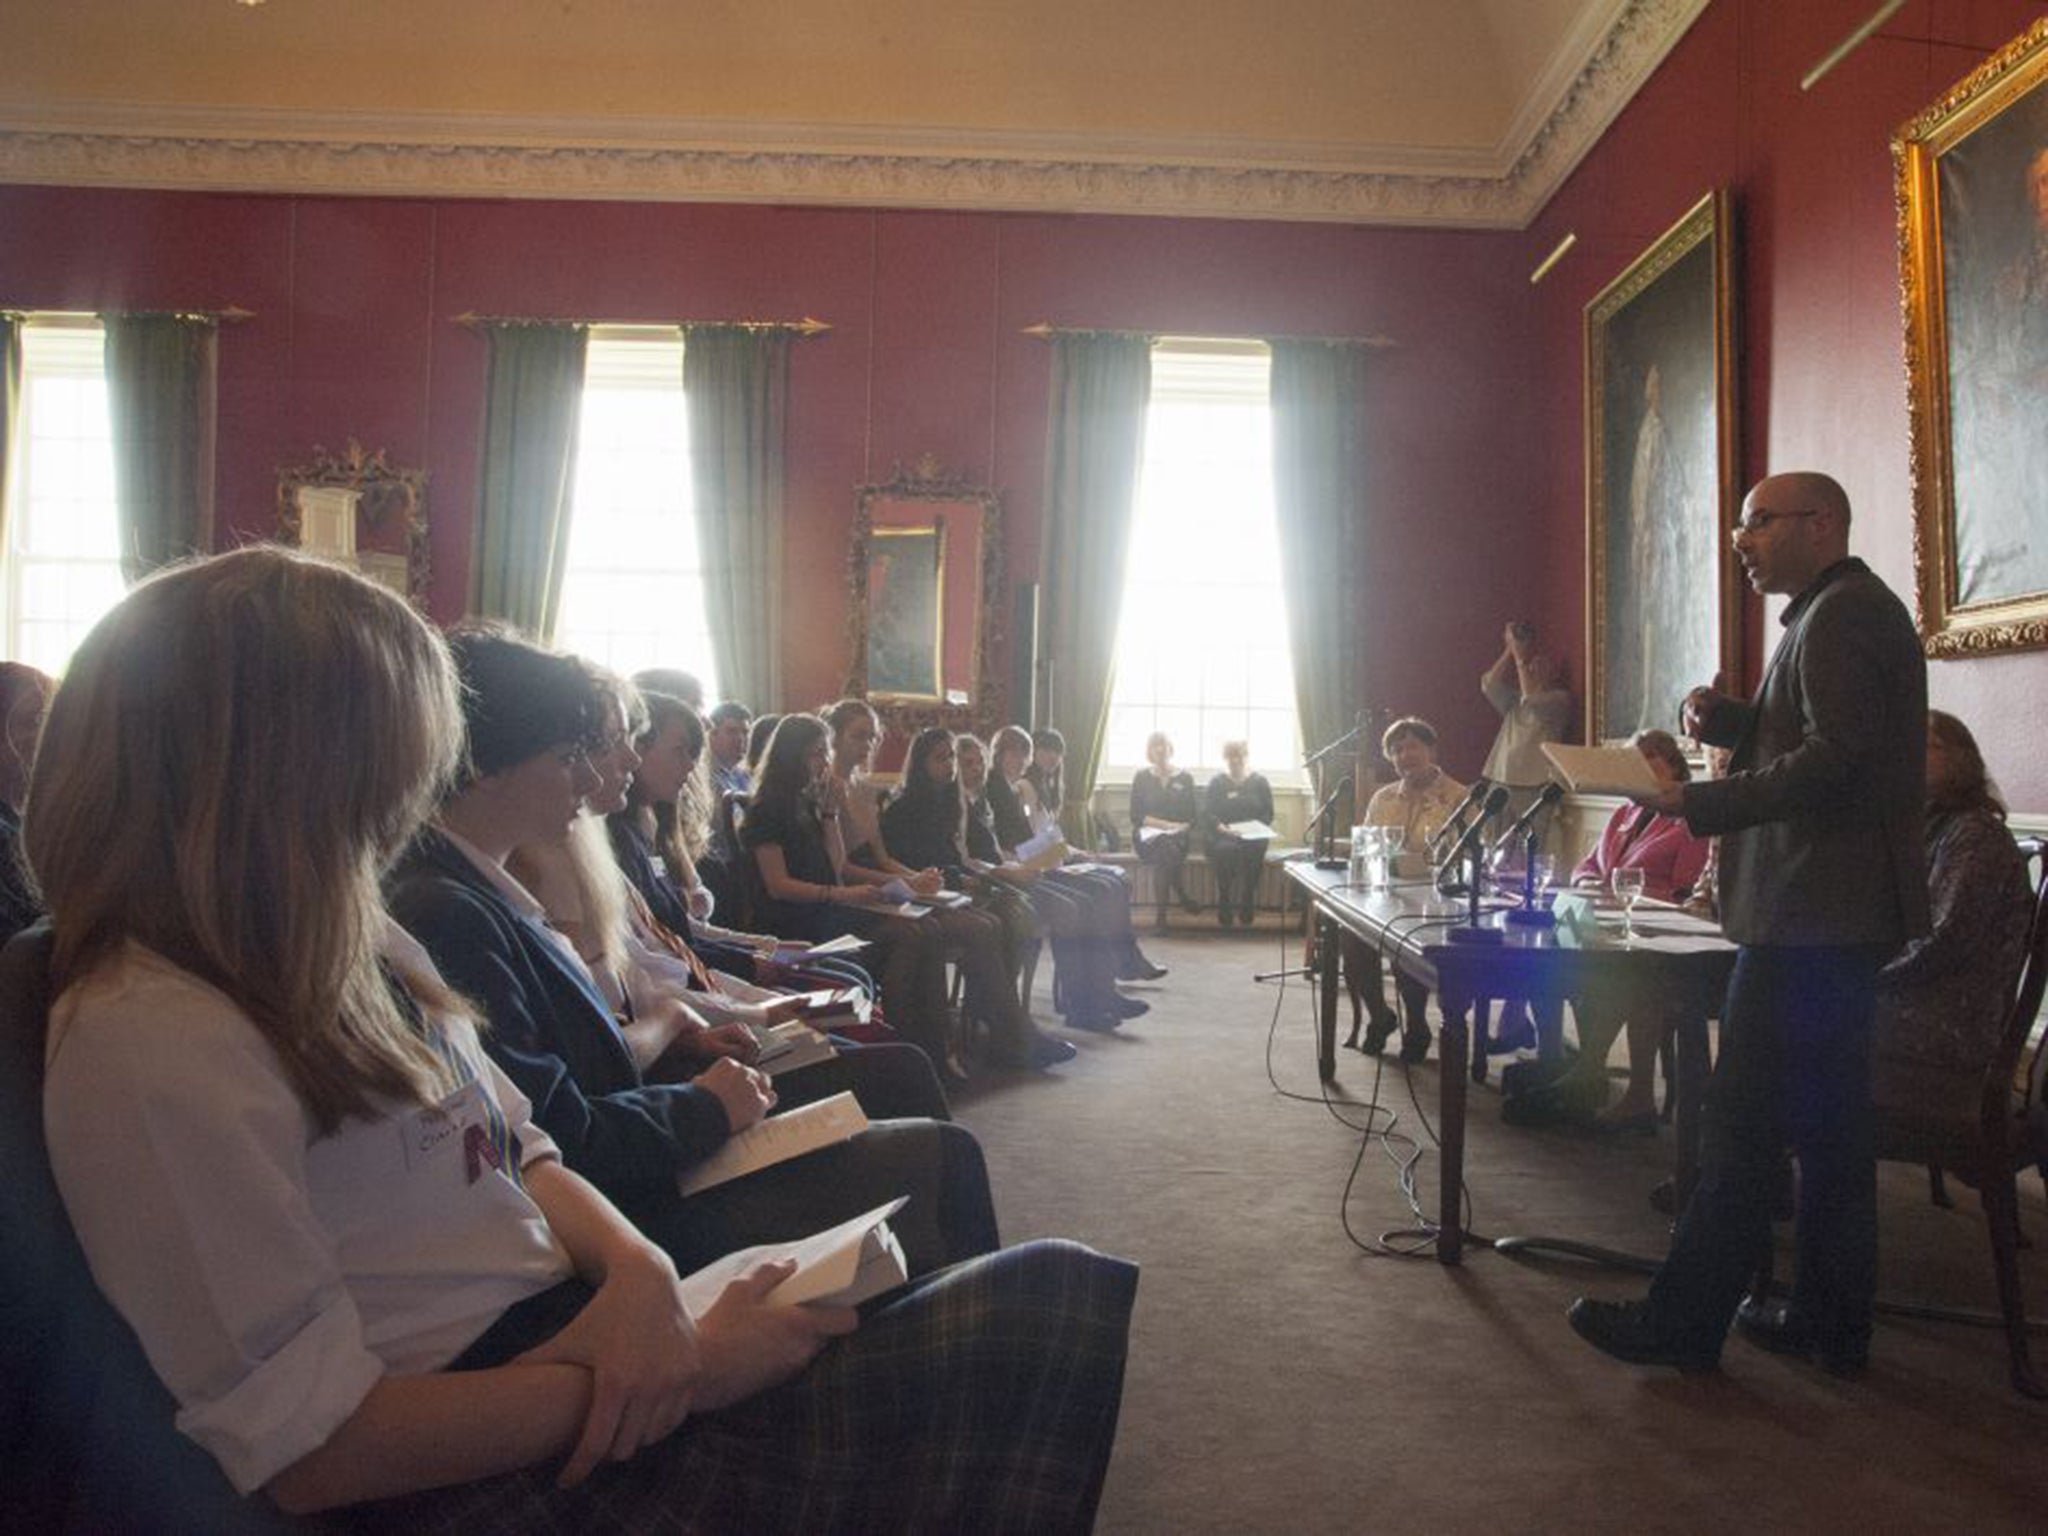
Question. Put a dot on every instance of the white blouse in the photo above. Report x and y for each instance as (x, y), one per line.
(274, 1274)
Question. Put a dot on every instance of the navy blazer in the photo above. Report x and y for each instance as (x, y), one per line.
(1820, 814)
(551, 1030)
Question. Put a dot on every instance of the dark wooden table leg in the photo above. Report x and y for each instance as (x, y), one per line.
(1327, 977)
(1452, 1047)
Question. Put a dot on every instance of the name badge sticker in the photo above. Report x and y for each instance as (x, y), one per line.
(439, 1130)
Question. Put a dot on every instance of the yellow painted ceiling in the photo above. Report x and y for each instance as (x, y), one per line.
(1428, 75)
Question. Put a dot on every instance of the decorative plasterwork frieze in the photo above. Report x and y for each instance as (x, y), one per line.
(268, 150)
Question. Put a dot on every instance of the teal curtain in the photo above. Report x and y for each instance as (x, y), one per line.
(160, 407)
(1318, 391)
(736, 383)
(533, 399)
(10, 406)
(1101, 385)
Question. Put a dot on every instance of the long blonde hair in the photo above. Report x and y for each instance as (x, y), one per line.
(238, 751)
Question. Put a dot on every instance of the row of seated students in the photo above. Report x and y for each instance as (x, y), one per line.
(1941, 1001)
(370, 1076)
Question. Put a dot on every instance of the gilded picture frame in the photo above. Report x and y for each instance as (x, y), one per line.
(357, 507)
(1972, 196)
(1662, 602)
(925, 611)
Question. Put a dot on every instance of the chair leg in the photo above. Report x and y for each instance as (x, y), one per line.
(2001, 1214)
(1027, 974)
(1937, 1188)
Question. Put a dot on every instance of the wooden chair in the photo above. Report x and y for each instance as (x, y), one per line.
(86, 1424)
(2005, 1132)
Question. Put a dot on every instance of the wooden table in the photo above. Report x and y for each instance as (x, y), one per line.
(1409, 923)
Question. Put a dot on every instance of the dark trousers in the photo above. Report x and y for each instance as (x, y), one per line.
(1237, 866)
(1794, 1069)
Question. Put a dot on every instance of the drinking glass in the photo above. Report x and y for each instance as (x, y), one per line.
(1392, 840)
(1363, 840)
(1628, 889)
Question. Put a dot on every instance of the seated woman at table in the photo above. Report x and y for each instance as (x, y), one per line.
(1671, 858)
(1236, 795)
(1419, 801)
(1942, 1001)
(1164, 809)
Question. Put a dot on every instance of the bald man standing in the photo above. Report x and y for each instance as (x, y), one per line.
(1823, 877)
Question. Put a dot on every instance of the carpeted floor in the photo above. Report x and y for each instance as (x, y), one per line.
(1283, 1380)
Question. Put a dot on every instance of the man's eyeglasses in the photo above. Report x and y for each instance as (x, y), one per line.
(1762, 518)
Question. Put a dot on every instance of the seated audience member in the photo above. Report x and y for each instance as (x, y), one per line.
(674, 682)
(1164, 808)
(1671, 859)
(468, 1337)
(1025, 795)
(24, 694)
(950, 819)
(730, 727)
(1236, 795)
(534, 719)
(657, 839)
(813, 891)
(1420, 801)
(757, 744)
(681, 1014)
(977, 939)
(921, 825)
(1942, 1001)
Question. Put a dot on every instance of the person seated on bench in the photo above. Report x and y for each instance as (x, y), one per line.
(1164, 809)
(1236, 795)
(360, 1269)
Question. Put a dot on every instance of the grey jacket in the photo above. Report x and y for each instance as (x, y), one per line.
(1820, 814)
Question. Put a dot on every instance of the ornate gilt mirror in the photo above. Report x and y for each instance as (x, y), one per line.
(356, 508)
(926, 576)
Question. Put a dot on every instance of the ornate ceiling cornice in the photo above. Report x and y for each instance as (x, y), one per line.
(271, 150)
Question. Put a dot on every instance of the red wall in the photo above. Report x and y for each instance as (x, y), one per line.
(353, 336)
(1821, 376)
(1475, 503)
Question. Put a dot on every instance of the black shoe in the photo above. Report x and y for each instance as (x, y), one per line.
(1623, 1329)
(1770, 1325)
(1664, 1197)
(1117, 1006)
(1516, 1033)
(1415, 1044)
(1096, 1021)
(1378, 1032)
(1050, 1051)
(1138, 968)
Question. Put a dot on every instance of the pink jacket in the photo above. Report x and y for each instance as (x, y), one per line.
(1636, 837)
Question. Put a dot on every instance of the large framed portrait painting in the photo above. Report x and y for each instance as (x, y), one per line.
(1973, 263)
(1660, 477)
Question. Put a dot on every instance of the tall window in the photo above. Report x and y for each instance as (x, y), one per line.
(1202, 646)
(63, 552)
(633, 593)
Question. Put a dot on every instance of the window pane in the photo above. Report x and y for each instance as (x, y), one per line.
(1202, 640)
(62, 554)
(633, 592)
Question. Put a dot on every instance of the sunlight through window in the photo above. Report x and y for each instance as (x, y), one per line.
(1202, 645)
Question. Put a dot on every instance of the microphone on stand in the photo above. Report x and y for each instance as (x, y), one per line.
(1552, 793)
(1469, 840)
(1454, 825)
(1324, 831)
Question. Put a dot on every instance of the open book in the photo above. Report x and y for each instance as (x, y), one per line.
(1601, 770)
(1248, 831)
(790, 1045)
(840, 1267)
(776, 1140)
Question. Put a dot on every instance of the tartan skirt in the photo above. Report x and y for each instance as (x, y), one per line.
(982, 1398)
